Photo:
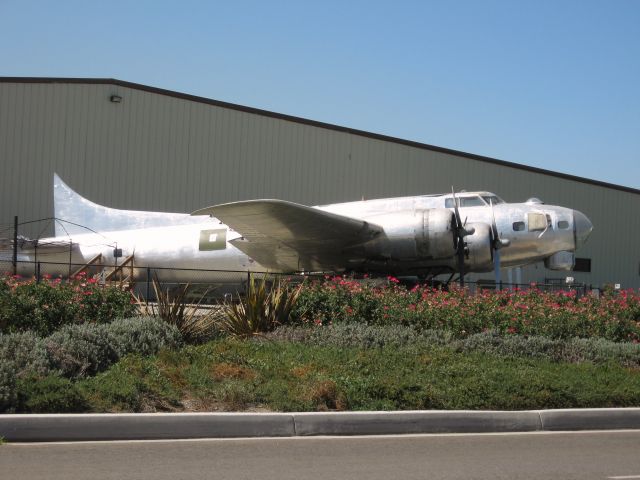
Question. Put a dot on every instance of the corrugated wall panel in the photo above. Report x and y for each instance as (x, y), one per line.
(160, 152)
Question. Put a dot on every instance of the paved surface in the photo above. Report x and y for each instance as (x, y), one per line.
(575, 455)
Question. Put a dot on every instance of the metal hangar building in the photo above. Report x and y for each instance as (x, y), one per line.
(136, 147)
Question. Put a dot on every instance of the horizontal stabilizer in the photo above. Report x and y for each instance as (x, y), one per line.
(45, 245)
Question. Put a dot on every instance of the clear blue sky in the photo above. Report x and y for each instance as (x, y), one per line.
(551, 84)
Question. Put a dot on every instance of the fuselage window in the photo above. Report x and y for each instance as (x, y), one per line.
(563, 224)
(518, 226)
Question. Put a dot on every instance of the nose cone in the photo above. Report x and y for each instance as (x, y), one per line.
(582, 228)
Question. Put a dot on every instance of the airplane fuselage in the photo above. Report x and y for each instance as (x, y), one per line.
(416, 238)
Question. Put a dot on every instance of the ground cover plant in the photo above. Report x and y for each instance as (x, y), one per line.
(338, 345)
(614, 316)
(229, 374)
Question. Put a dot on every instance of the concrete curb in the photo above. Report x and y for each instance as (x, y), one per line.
(591, 419)
(143, 426)
(131, 426)
(436, 421)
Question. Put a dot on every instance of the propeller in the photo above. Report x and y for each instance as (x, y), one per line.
(459, 232)
(496, 244)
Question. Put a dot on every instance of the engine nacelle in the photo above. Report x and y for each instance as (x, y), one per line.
(414, 235)
(478, 255)
(560, 261)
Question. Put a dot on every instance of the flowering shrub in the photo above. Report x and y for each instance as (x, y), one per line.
(527, 312)
(46, 305)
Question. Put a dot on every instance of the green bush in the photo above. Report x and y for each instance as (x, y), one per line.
(599, 350)
(143, 335)
(26, 351)
(84, 350)
(45, 306)
(81, 350)
(32, 369)
(361, 335)
(574, 350)
(50, 394)
(7, 385)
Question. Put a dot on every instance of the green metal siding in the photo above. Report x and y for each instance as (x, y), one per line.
(162, 153)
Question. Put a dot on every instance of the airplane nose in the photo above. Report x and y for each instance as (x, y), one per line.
(582, 228)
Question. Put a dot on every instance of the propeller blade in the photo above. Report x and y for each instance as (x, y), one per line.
(494, 227)
(496, 241)
(459, 235)
(496, 267)
(456, 212)
(496, 244)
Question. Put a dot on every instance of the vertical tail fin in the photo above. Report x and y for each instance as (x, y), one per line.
(75, 214)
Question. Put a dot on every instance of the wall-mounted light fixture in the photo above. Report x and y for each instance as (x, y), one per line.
(115, 98)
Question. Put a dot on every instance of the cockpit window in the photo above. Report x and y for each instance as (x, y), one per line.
(492, 199)
(563, 224)
(474, 201)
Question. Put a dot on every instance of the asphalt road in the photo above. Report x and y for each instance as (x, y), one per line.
(578, 455)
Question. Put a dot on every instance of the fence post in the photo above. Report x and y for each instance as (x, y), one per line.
(15, 245)
(38, 272)
(246, 290)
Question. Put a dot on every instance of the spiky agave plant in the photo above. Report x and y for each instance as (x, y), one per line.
(265, 305)
(194, 322)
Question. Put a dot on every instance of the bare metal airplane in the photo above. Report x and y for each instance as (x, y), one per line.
(421, 236)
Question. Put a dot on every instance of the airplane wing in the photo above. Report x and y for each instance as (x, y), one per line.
(291, 237)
